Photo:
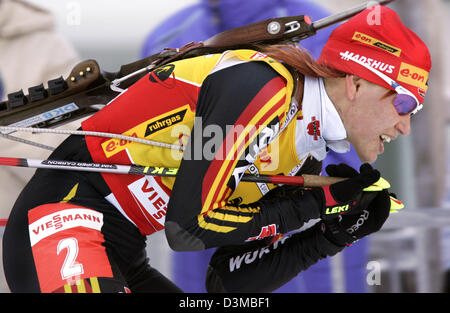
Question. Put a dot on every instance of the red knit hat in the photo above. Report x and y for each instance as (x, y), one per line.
(378, 38)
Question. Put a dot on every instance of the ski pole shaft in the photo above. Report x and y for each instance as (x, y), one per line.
(305, 180)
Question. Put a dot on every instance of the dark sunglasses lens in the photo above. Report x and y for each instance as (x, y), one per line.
(404, 104)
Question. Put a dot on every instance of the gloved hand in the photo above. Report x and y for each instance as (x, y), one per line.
(346, 197)
(371, 219)
(348, 228)
(365, 217)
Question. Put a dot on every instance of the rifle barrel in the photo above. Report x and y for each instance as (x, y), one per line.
(342, 16)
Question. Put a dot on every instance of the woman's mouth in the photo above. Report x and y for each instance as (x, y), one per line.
(385, 138)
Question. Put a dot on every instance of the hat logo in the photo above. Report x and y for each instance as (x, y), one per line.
(421, 92)
(378, 65)
(368, 40)
(413, 75)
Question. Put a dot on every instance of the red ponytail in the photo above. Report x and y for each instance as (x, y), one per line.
(300, 60)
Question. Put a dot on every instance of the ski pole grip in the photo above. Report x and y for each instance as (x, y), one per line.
(320, 181)
(304, 180)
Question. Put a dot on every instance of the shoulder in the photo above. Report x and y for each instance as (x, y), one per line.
(245, 71)
(244, 82)
(248, 67)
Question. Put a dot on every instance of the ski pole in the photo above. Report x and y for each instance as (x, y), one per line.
(304, 180)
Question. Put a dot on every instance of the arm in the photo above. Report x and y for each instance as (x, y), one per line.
(264, 268)
(198, 214)
(259, 267)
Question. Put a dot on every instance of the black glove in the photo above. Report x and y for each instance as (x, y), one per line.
(369, 216)
(370, 220)
(346, 197)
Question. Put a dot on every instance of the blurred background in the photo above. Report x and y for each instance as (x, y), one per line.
(410, 254)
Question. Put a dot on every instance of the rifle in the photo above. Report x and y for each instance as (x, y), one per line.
(87, 89)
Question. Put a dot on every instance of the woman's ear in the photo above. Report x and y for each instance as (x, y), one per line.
(351, 86)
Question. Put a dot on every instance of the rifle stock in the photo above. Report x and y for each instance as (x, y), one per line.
(62, 101)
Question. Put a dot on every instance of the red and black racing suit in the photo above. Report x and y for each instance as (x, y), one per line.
(109, 237)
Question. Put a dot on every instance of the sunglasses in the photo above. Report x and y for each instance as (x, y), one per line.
(404, 102)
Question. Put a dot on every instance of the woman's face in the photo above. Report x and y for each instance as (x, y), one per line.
(371, 120)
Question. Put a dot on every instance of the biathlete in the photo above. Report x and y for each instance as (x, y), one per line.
(271, 111)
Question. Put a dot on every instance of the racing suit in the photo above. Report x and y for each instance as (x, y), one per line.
(233, 113)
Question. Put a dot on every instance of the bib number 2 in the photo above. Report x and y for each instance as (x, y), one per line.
(70, 266)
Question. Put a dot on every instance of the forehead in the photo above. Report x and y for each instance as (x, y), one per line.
(377, 90)
(384, 86)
